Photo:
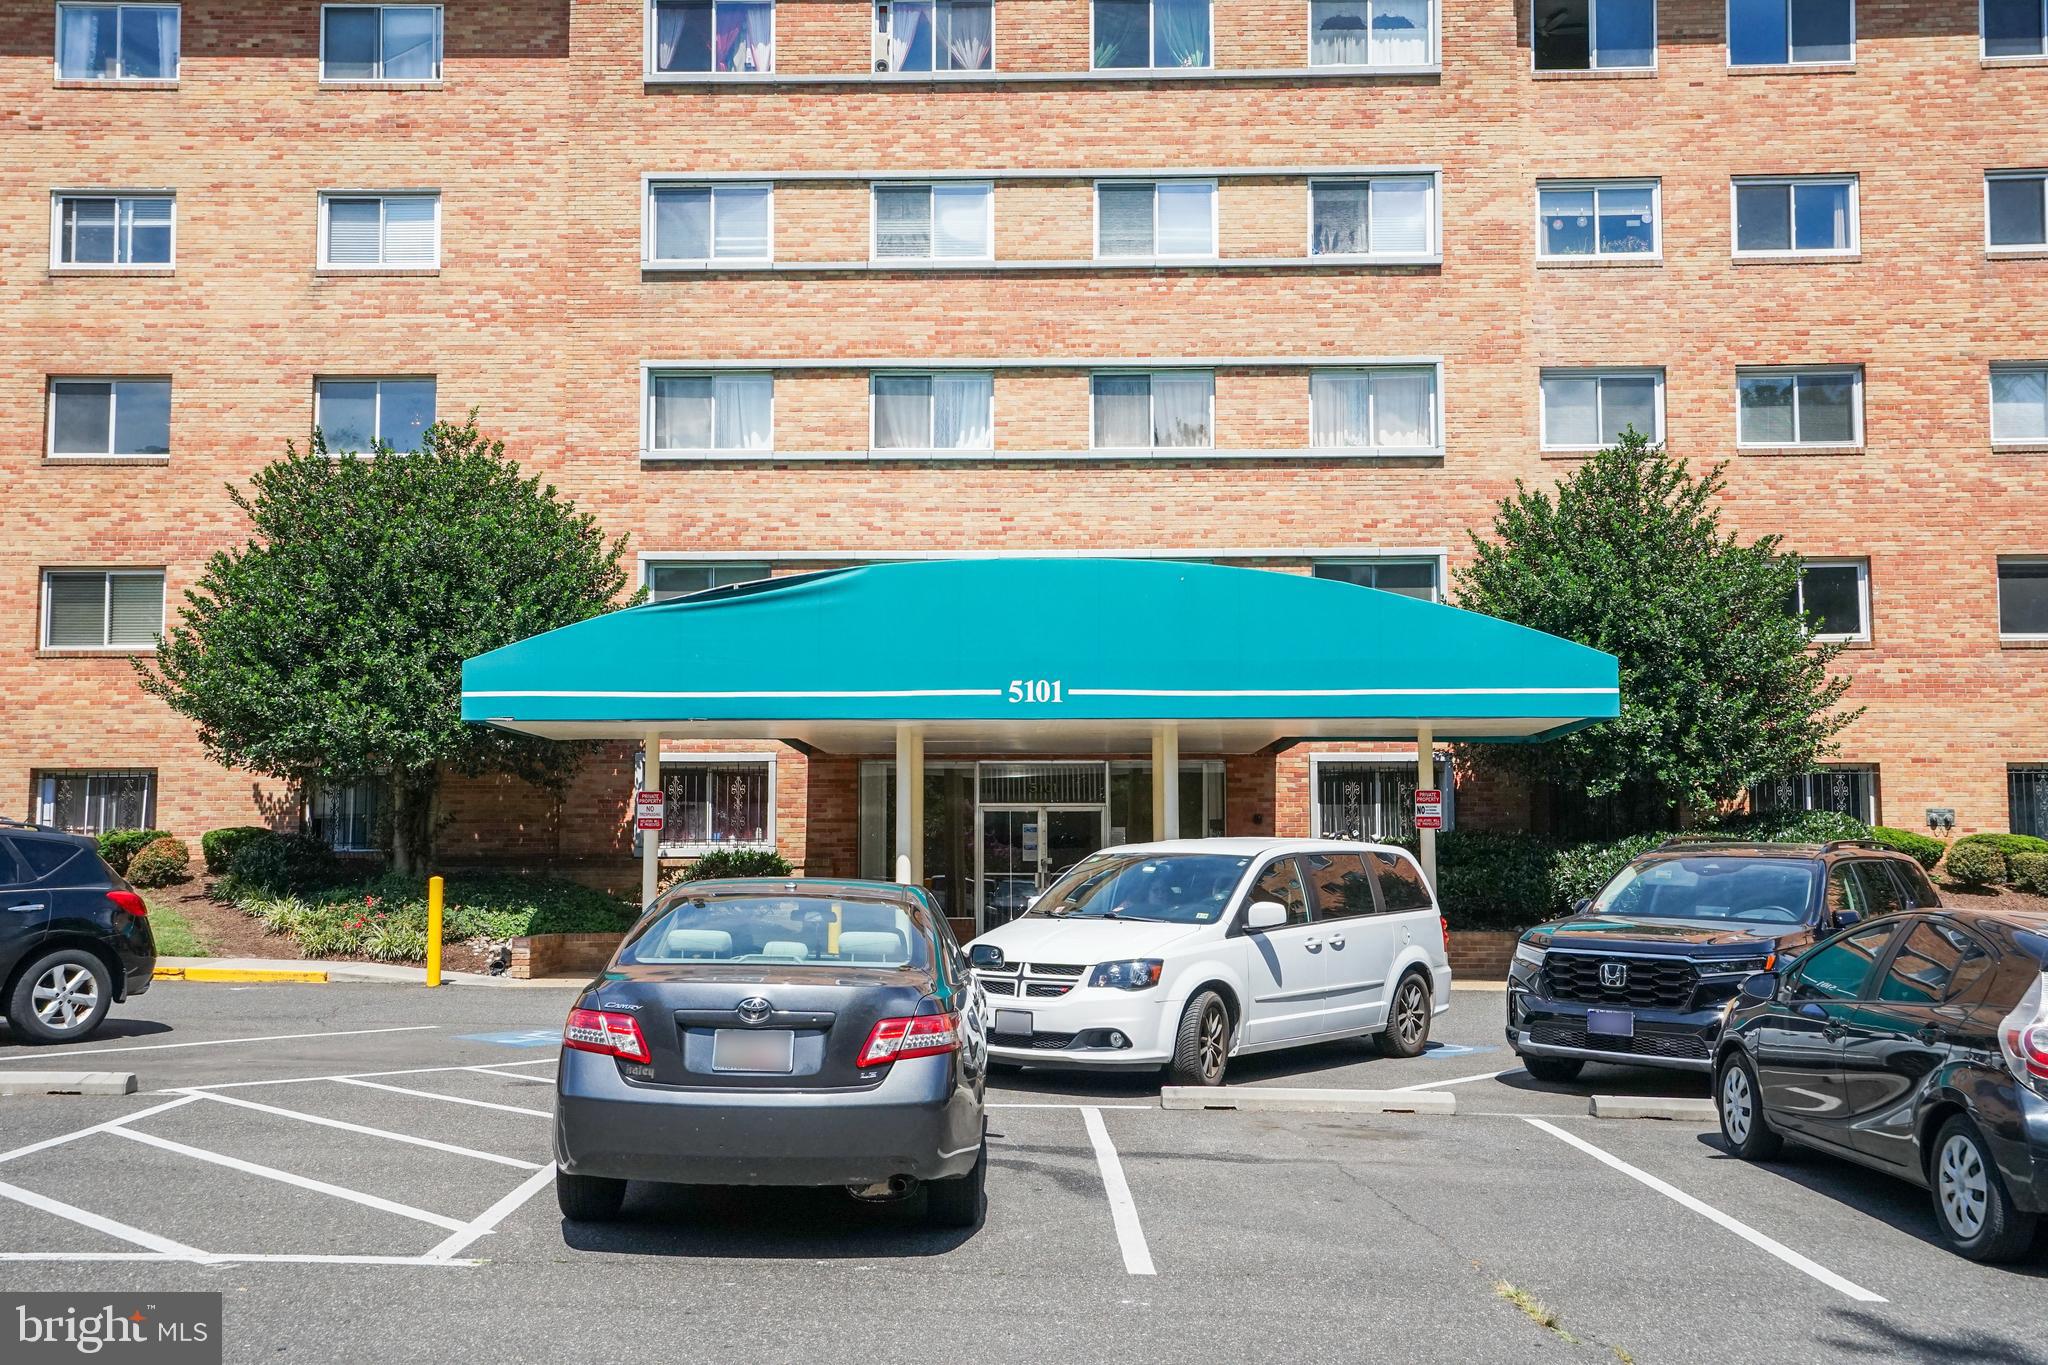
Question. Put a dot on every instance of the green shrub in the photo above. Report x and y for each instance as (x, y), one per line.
(1579, 872)
(1488, 880)
(275, 864)
(1974, 864)
(737, 862)
(1921, 849)
(160, 863)
(387, 918)
(2029, 872)
(2005, 844)
(1790, 827)
(119, 846)
(217, 846)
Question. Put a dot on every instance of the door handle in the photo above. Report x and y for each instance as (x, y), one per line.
(1832, 1030)
(29, 908)
(1337, 942)
(1314, 945)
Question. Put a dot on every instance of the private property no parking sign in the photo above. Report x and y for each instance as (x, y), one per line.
(647, 810)
(1429, 808)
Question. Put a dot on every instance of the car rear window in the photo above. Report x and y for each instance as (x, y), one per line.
(45, 856)
(791, 930)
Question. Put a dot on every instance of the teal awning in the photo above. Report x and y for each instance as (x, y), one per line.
(1040, 655)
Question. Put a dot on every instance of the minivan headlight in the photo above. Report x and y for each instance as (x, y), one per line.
(1133, 974)
(1528, 954)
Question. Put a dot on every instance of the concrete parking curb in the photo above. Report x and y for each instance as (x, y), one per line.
(1253, 1097)
(242, 975)
(67, 1083)
(1651, 1107)
(302, 971)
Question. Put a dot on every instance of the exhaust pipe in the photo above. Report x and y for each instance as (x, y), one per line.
(884, 1191)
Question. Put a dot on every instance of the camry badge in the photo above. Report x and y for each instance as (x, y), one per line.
(1614, 973)
(753, 1010)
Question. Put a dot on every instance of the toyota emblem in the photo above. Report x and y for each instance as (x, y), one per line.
(1611, 974)
(754, 1010)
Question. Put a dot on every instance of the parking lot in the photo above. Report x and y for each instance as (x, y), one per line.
(363, 1172)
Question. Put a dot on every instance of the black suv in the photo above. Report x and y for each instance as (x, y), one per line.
(74, 937)
(1642, 974)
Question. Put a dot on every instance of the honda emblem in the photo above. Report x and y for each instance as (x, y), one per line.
(1614, 974)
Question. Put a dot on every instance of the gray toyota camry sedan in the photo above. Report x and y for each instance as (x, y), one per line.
(778, 1032)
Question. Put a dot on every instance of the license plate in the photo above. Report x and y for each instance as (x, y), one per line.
(1013, 1023)
(1611, 1023)
(753, 1049)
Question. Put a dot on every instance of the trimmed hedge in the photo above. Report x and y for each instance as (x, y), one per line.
(2006, 844)
(1921, 849)
(1976, 864)
(280, 864)
(161, 862)
(218, 846)
(729, 862)
(1580, 871)
(1492, 881)
(119, 846)
(387, 919)
(2029, 872)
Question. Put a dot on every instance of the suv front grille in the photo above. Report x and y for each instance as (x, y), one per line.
(1681, 1046)
(1647, 982)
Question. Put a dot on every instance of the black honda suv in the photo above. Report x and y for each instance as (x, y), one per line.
(74, 937)
(1643, 973)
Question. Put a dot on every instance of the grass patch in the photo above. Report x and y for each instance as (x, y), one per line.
(1534, 1309)
(174, 934)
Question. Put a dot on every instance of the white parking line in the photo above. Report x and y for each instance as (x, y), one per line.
(289, 1178)
(992, 1104)
(366, 1131)
(47, 1054)
(1460, 1080)
(449, 1099)
(1123, 1210)
(506, 1075)
(63, 1138)
(351, 1076)
(172, 1250)
(489, 1219)
(227, 1257)
(1708, 1211)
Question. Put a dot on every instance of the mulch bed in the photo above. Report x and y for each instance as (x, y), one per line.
(1999, 898)
(227, 932)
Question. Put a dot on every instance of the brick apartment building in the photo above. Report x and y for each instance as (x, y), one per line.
(775, 286)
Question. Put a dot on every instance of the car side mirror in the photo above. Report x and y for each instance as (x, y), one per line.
(1265, 915)
(1846, 919)
(1759, 987)
(1582, 905)
(1031, 901)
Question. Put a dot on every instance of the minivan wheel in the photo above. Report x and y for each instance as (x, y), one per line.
(1407, 1031)
(1201, 1050)
(61, 998)
(1555, 1070)
(1973, 1212)
(958, 1202)
(589, 1198)
(1739, 1101)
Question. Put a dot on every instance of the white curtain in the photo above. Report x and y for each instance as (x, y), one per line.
(1400, 32)
(760, 38)
(1571, 410)
(1123, 412)
(682, 225)
(409, 42)
(1400, 216)
(2019, 405)
(960, 411)
(745, 404)
(1180, 410)
(1337, 410)
(1404, 408)
(905, 18)
(682, 413)
(1123, 220)
(903, 412)
(740, 222)
(960, 220)
(88, 41)
(167, 43)
(1338, 32)
(969, 33)
(668, 35)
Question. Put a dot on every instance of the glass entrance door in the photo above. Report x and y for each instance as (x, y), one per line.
(1024, 849)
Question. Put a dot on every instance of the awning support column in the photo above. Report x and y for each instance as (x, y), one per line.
(1166, 782)
(650, 839)
(909, 805)
(1425, 780)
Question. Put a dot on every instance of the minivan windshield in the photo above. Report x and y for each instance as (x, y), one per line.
(1759, 890)
(1176, 888)
(792, 930)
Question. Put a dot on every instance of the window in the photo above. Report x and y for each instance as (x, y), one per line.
(698, 223)
(702, 412)
(110, 417)
(1408, 577)
(1370, 33)
(94, 802)
(932, 412)
(1833, 598)
(113, 230)
(1166, 218)
(2014, 28)
(1799, 407)
(1401, 884)
(102, 608)
(934, 35)
(717, 802)
(1130, 801)
(346, 818)
(1150, 33)
(1611, 218)
(1390, 409)
(933, 222)
(1784, 32)
(2023, 598)
(1280, 882)
(680, 579)
(1784, 217)
(1839, 969)
(1371, 798)
(2019, 402)
(1168, 410)
(357, 414)
(1845, 791)
(2014, 212)
(712, 35)
(117, 42)
(1589, 409)
(380, 43)
(2027, 800)
(1383, 216)
(386, 230)
(1582, 35)
(1936, 962)
(1338, 885)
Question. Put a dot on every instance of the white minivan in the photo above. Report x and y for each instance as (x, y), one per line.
(1187, 953)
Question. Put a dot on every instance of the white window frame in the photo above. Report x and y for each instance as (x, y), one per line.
(46, 803)
(440, 45)
(1593, 41)
(1433, 58)
(1652, 184)
(1998, 583)
(177, 57)
(106, 608)
(380, 380)
(935, 70)
(1151, 408)
(1402, 759)
(931, 187)
(649, 451)
(1152, 56)
(383, 198)
(941, 452)
(1437, 565)
(651, 72)
(1856, 407)
(1996, 368)
(1790, 62)
(714, 188)
(767, 842)
(1859, 636)
(1433, 448)
(649, 562)
(1595, 373)
(58, 198)
(1432, 250)
(1983, 39)
(50, 450)
(2040, 178)
(1215, 214)
(1792, 183)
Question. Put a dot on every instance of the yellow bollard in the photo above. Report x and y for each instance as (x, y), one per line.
(434, 891)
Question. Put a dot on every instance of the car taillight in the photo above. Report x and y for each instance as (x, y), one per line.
(600, 1031)
(894, 1040)
(2023, 1037)
(130, 902)
(1445, 922)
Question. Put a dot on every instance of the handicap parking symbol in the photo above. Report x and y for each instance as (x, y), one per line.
(1455, 1050)
(522, 1037)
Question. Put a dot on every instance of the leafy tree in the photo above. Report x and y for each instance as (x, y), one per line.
(1720, 684)
(329, 647)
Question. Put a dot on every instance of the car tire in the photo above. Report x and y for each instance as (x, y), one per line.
(60, 997)
(589, 1198)
(959, 1202)
(1738, 1100)
(1972, 1211)
(1554, 1070)
(1408, 1016)
(1201, 1049)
